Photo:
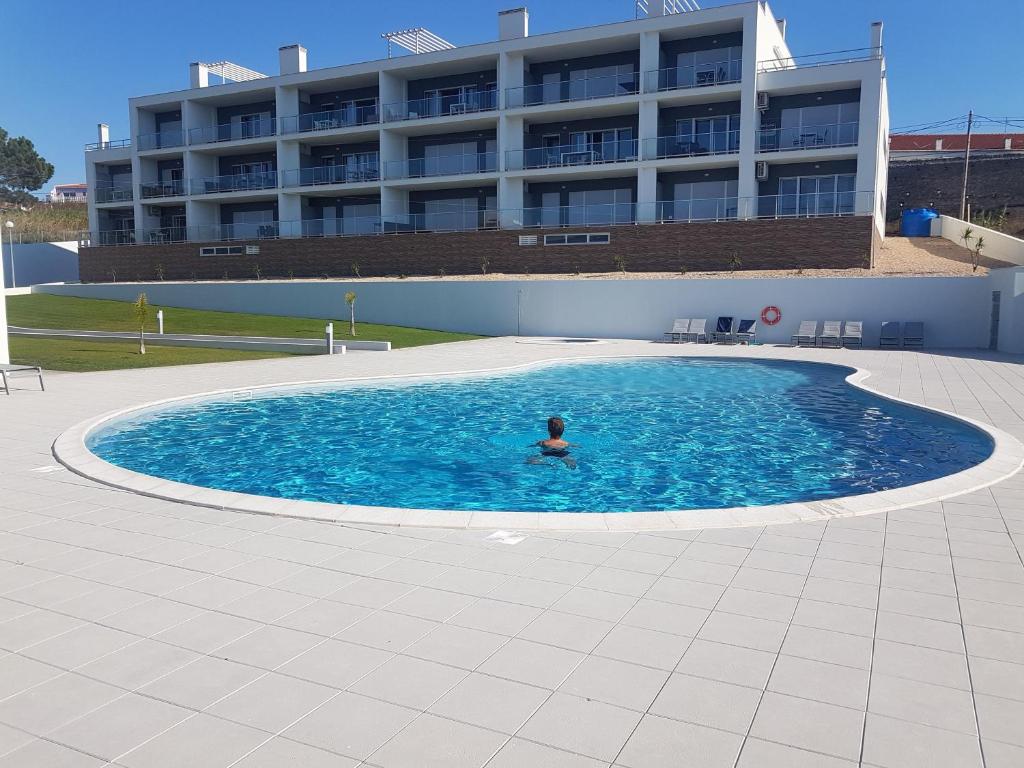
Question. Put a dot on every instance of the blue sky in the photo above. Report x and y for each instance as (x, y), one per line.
(70, 64)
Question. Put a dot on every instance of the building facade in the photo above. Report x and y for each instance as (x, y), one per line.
(703, 117)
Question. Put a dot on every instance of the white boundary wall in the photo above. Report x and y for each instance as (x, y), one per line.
(998, 245)
(40, 263)
(5, 354)
(956, 311)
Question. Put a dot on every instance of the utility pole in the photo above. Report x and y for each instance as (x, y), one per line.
(967, 160)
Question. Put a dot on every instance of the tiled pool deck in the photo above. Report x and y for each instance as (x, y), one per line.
(140, 632)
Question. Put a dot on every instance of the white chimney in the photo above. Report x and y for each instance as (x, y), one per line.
(938, 144)
(293, 59)
(103, 134)
(781, 24)
(1008, 143)
(876, 35)
(513, 24)
(198, 75)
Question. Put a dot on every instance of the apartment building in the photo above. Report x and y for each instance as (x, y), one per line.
(687, 138)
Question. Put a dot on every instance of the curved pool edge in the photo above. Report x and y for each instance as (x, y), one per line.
(70, 450)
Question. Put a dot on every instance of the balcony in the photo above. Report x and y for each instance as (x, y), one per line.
(161, 235)
(343, 227)
(445, 221)
(161, 140)
(330, 119)
(693, 145)
(114, 194)
(578, 89)
(236, 182)
(706, 209)
(114, 237)
(807, 137)
(441, 106)
(449, 165)
(814, 205)
(169, 188)
(599, 214)
(115, 144)
(827, 58)
(567, 155)
(697, 76)
(332, 174)
(249, 129)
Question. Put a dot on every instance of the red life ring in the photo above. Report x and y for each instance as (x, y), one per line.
(771, 315)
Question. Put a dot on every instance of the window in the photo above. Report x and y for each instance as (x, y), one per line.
(446, 159)
(828, 195)
(708, 67)
(601, 146)
(600, 206)
(600, 82)
(451, 215)
(821, 125)
(583, 238)
(222, 250)
(704, 135)
(702, 201)
(250, 125)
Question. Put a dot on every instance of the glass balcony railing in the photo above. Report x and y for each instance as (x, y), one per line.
(598, 214)
(118, 194)
(109, 144)
(169, 188)
(165, 235)
(814, 204)
(716, 73)
(248, 129)
(443, 221)
(114, 237)
(246, 230)
(716, 143)
(441, 106)
(578, 89)
(343, 227)
(705, 209)
(571, 154)
(807, 137)
(161, 139)
(236, 182)
(331, 174)
(330, 119)
(449, 165)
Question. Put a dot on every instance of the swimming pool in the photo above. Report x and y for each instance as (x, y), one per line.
(651, 434)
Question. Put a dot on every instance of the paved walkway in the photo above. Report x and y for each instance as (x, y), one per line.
(143, 633)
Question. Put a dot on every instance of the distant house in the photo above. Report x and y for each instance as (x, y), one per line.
(68, 193)
(932, 145)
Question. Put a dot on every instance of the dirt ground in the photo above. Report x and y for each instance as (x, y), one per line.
(907, 256)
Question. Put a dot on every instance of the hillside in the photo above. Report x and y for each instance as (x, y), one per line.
(45, 222)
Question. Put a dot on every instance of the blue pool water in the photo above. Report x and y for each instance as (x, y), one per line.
(652, 434)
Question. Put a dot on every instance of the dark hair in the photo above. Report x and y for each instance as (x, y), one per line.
(556, 426)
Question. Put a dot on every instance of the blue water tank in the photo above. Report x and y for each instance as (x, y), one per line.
(917, 222)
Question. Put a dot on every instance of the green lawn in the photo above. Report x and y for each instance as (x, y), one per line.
(40, 310)
(72, 355)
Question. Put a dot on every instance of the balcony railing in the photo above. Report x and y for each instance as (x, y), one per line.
(250, 129)
(115, 144)
(170, 188)
(331, 174)
(819, 59)
(570, 155)
(810, 205)
(581, 89)
(715, 143)
(161, 140)
(330, 119)
(701, 75)
(441, 106)
(114, 194)
(236, 182)
(807, 137)
(450, 165)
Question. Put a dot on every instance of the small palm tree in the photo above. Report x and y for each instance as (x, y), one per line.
(140, 308)
(350, 299)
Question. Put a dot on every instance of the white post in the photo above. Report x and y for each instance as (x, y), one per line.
(329, 337)
(160, 322)
(10, 233)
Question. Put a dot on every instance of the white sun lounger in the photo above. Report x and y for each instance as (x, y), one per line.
(831, 332)
(679, 330)
(7, 370)
(698, 330)
(853, 334)
(807, 334)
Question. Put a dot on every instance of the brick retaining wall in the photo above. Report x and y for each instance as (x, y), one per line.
(837, 243)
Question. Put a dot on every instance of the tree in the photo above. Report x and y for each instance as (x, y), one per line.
(140, 308)
(21, 169)
(350, 299)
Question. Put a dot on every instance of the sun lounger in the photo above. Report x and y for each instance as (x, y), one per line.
(7, 370)
(807, 334)
(853, 334)
(679, 330)
(913, 334)
(831, 330)
(723, 330)
(698, 330)
(890, 335)
(746, 331)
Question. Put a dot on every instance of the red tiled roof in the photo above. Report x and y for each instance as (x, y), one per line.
(70, 186)
(954, 141)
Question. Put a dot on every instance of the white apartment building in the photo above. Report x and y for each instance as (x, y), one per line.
(696, 116)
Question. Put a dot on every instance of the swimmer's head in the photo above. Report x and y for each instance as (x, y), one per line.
(556, 427)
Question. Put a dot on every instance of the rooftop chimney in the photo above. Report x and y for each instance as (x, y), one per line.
(198, 75)
(293, 59)
(513, 24)
(781, 23)
(103, 134)
(876, 35)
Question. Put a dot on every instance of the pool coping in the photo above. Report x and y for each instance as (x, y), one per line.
(70, 450)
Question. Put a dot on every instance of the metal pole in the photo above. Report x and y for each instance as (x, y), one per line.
(967, 160)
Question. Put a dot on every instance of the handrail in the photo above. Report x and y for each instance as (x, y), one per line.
(233, 182)
(712, 143)
(330, 119)
(624, 150)
(331, 174)
(581, 89)
(114, 144)
(441, 106)
(170, 188)
(254, 129)
(161, 139)
(807, 137)
(450, 165)
(820, 59)
(693, 75)
(114, 194)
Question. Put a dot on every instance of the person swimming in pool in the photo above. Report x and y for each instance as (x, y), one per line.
(554, 446)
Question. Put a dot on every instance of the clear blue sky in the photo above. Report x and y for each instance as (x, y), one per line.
(69, 64)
